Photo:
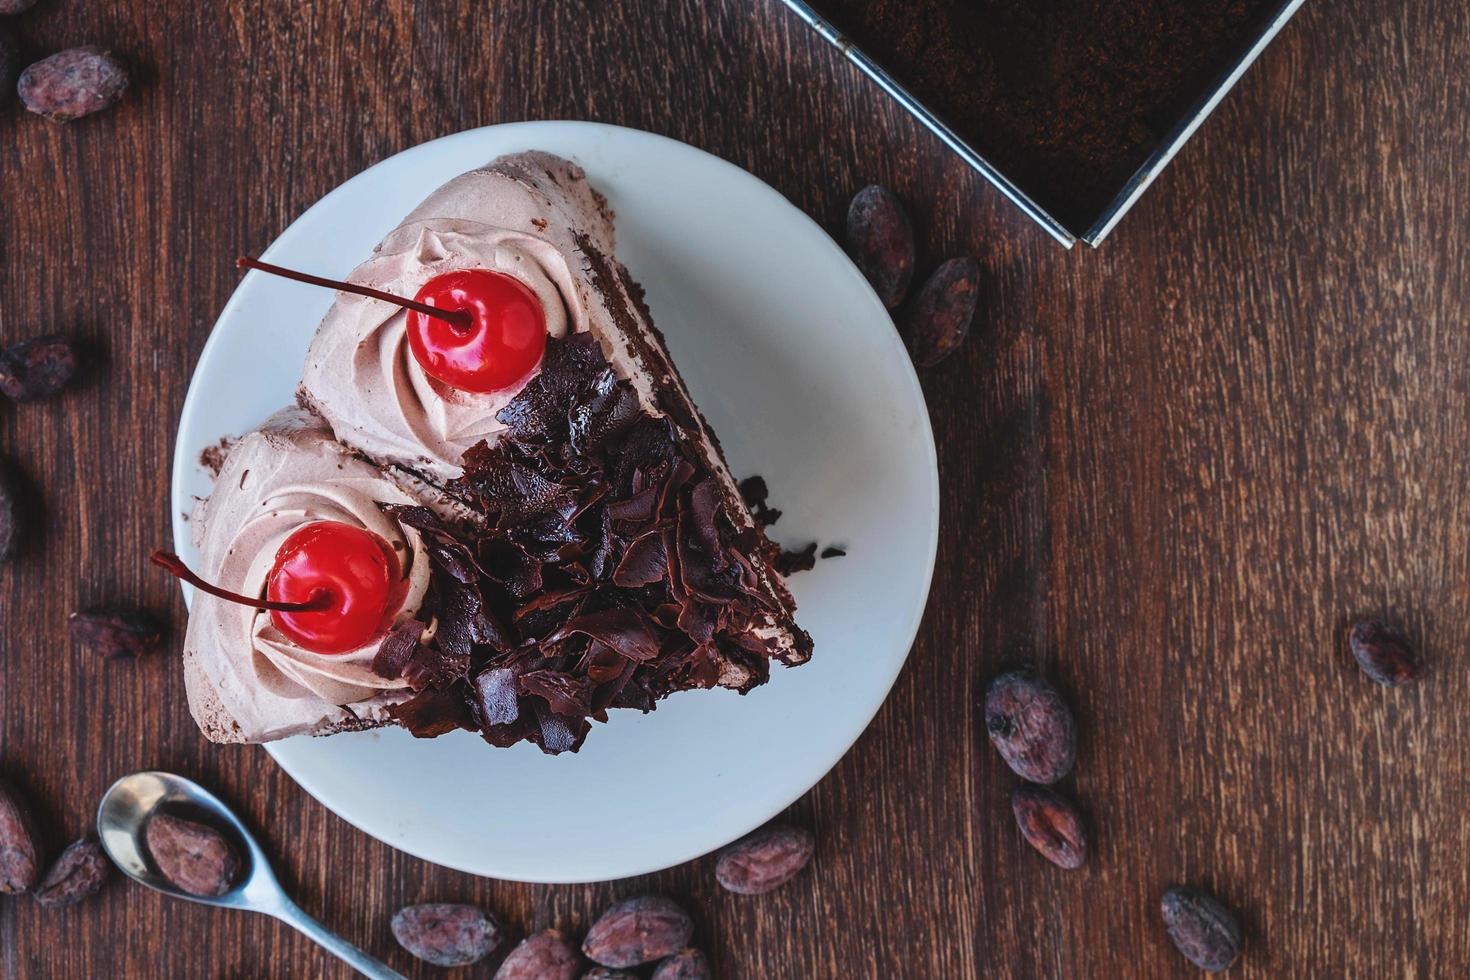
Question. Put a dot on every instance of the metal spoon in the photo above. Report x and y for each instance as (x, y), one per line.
(123, 814)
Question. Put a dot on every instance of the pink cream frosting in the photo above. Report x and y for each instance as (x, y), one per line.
(360, 374)
(246, 679)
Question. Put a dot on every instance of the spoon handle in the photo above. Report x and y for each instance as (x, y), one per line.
(291, 914)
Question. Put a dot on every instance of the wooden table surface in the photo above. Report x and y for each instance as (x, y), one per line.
(1173, 469)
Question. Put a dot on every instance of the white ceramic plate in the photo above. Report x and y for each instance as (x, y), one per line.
(798, 368)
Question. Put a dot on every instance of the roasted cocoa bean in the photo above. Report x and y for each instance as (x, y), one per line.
(79, 872)
(1030, 726)
(20, 854)
(37, 368)
(1051, 823)
(9, 62)
(686, 964)
(1204, 930)
(544, 956)
(115, 634)
(192, 855)
(9, 7)
(880, 238)
(603, 973)
(1384, 653)
(446, 934)
(637, 931)
(938, 320)
(73, 83)
(764, 860)
(10, 511)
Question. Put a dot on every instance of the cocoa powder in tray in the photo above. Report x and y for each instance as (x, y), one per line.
(1066, 97)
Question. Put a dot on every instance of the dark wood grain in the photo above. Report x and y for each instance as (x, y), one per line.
(1173, 469)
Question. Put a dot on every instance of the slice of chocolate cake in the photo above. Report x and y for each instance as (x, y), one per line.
(587, 545)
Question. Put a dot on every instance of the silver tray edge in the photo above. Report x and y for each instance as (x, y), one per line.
(1136, 184)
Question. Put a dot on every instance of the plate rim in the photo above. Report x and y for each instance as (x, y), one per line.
(180, 500)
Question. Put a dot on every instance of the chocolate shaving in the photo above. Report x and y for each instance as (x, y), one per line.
(753, 491)
(417, 517)
(433, 666)
(433, 712)
(551, 600)
(612, 409)
(645, 561)
(453, 558)
(563, 693)
(540, 413)
(557, 733)
(496, 696)
(628, 631)
(445, 550)
(509, 565)
(603, 664)
(791, 562)
(636, 511)
(397, 649)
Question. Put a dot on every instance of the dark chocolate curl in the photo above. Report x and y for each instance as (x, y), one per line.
(397, 649)
(644, 563)
(627, 631)
(496, 696)
(433, 712)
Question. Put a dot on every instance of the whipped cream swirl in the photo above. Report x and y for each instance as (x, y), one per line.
(282, 666)
(362, 376)
(289, 474)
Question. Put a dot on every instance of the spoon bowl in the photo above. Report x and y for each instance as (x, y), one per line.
(122, 818)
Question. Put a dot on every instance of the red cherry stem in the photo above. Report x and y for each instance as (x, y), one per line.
(459, 319)
(174, 565)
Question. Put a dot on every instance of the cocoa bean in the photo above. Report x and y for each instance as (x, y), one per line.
(686, 964)
(1030, 726)
(20, 854)
(10, 511)
(938, 320)
(73, 83)
(79, 872)
(544, 956)
(1384, 653)
(446, 934)
(1204, 930)
(637, 931)
(37, 368)
(880, 238)
(115, 634)
(603, 973)
(10, 7)
(764, 860)
(192, 855)
(1051, 823)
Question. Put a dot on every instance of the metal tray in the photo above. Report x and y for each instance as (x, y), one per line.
(1131, 190)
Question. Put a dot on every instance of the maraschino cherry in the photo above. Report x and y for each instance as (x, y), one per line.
(332, 588)
(472, 329)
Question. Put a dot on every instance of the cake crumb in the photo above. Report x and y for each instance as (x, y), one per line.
(754, 492)
(790, 562)
(212, 459)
